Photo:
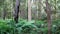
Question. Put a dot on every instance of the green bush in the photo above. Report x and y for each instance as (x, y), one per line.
(28, 27)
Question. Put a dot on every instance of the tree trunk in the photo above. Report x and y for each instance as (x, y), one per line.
(4, 14)
(4, 11)
(16, 11)
(39, 9)
(29, 10)
(48, 10)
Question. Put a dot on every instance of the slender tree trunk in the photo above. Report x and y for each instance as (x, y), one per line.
(29, 10)
(55, 10)
(4, 14)
(4, 11)
(16, 11)
(48, 10)
(39, 10)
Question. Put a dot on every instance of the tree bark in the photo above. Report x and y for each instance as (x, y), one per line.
(48, 10)
(40, 9)
(4, 14)
(4, 11)
(29, 10)
(16, 11)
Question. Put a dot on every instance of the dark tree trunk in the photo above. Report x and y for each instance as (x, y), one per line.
(4, 14)
(4, 11)
(16, 11)
(48, 10)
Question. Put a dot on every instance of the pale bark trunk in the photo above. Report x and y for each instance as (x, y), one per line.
(40, 9)
(29, 10)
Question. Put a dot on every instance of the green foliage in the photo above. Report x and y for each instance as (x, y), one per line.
(28, 27)
(5, 27)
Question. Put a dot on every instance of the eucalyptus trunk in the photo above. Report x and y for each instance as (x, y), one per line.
(29, 10)
(16, 14)
(39, 9)
(4, 14)
(48, 10)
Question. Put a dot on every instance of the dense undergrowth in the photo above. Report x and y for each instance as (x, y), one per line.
(24, 27)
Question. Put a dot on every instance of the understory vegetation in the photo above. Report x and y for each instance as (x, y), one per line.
(8, 26)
